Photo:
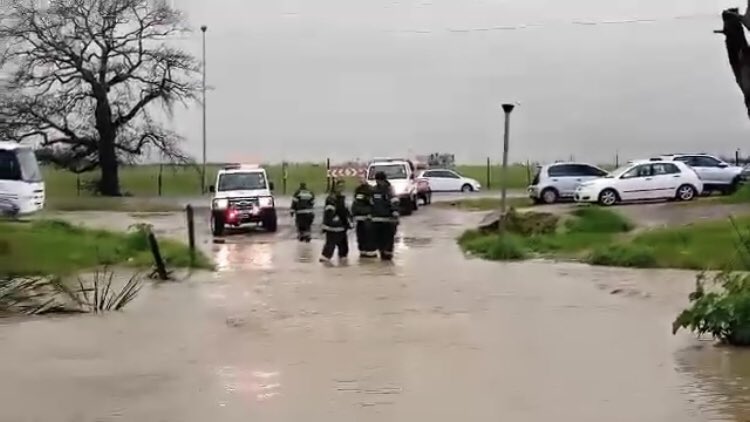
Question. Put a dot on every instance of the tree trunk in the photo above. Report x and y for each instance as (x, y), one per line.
(110, 181)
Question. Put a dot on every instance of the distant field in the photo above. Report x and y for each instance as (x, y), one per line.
(185, 181)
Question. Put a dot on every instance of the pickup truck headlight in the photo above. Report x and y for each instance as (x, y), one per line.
(265, 201)
(220, 204)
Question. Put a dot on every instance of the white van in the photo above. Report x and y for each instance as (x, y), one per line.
(21, 184)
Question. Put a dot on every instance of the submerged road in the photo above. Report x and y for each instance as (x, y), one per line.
(274, 336)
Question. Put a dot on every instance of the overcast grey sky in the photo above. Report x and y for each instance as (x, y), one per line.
(302, 80)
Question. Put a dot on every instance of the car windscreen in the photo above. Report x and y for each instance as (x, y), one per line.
(30, 170)
(392, 171)
(241, 181)
(619, 171)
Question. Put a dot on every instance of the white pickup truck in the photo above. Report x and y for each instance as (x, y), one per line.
(401, 174)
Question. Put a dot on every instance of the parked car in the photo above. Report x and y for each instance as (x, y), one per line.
(656, 178)
(444, 180)
(424, 192)
(553, 182)
(717, 175)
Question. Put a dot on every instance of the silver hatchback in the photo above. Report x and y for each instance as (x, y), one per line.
(553, 182)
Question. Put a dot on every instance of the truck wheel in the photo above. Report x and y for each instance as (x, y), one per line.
(270, 223)
(406, 207)
(217, 224)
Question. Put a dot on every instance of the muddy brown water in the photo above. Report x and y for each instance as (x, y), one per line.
(274, 336)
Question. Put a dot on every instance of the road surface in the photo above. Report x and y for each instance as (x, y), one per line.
(274, 336)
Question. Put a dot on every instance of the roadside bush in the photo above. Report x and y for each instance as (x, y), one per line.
(496, 247)
(530, 223)
(723, 313)
(46, 295)
(623, 255)
(594, 219)
(722, 308)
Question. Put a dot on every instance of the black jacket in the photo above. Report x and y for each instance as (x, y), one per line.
(362, 203)
(303, 201)
(384, 204)
(336, 215)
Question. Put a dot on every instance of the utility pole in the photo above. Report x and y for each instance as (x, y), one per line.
(507, 108)
(203, 171)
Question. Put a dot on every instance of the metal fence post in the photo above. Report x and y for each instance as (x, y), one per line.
(507, 108)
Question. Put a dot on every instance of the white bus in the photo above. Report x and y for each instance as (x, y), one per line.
(21, 183)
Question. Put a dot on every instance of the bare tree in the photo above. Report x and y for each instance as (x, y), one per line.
(85, 76)
(737, 48)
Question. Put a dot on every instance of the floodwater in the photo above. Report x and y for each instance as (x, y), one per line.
(272, 336)
(305, 80)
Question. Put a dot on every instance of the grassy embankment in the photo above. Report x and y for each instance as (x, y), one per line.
(54, 247)
(603, 237)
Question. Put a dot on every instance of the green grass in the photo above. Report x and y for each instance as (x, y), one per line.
(709, 245)
(98, 203)
(602, 237)
(484, 204)
(57, 247)
(185, 180)
(742, 196)
(586, 227)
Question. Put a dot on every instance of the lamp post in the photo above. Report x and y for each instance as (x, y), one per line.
(203, 171)
(507, 108)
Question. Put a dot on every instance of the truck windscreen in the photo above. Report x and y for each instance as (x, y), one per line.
(241, 181)
(392, 171)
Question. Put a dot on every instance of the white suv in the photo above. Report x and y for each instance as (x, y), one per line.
(242, 195)
(553, 182)
(400, 174)
(642, 180)
(716, 174)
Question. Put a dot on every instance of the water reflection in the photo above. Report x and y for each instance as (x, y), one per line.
(254, 385)
(305, 252)
(720, 379)
(243, 256)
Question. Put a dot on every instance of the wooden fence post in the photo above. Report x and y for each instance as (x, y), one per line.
(328, 179)
(191, 232)
(489, 174)
(161, 269)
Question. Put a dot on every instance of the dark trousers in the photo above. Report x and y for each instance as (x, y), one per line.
(365, 241)
(336, 240)
(304, 222)
(384, 234)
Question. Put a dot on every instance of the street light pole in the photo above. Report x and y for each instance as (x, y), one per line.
(203, 171)
(507, 108)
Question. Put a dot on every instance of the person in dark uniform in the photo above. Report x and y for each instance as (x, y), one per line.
(362, 214)
(303, 202)
(384, 216)
(336, 222)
